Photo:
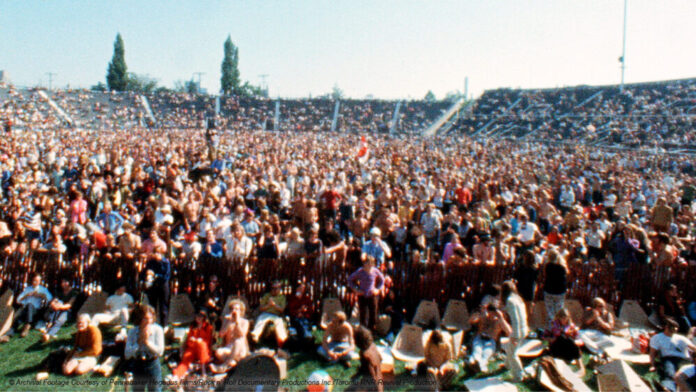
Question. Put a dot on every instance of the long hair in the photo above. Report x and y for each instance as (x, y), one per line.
(508, 287)
(363, 338)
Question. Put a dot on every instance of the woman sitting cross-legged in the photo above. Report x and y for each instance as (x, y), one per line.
(562, 339)
(438, 359)
(198, 346)
(235, 345)
(88, 345)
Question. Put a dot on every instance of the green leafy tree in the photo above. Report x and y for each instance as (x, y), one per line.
(430, 97)
(141, 83)
(250, 90)
(99, 87)
(189, 86)
(117, 73)
(229, 82)
(336, 92)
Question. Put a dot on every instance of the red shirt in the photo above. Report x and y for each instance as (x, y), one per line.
(463, 196)
(205, 332)
(295, 306)
(330, 199)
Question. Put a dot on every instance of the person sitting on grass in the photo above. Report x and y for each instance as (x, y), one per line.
(144, 347)
(235, 346)
(491, 325)
(301, 310)
(337, 344)
(686, 376)
(33, 301)
(198, 345)
(271, 308)
(672, 350)
(598, 317)
(58, 310)
(119, 306)
(88, 346)
(369, 373)
(562, 339)
(438, 359)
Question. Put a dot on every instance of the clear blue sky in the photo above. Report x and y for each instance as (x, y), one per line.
(387, 48)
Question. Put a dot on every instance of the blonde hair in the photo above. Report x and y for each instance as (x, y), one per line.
(239, 302)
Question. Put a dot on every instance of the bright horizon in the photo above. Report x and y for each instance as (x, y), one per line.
(388, 49)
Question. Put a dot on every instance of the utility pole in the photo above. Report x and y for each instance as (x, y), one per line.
(622, 59)
(264, 86)
(199, 80)
(50, 79)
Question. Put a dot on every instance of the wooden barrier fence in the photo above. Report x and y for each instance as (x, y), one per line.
(251, 278)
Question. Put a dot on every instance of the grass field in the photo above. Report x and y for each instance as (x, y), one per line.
(19, 361)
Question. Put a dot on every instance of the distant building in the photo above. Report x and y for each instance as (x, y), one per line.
(3, 77)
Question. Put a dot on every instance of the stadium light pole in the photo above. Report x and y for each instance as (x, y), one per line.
(50, 79)
(199, 80)
(623, 46)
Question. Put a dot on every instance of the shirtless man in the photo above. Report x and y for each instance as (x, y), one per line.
(491, 324)
(337, 344)
(129, 243)
(665, 254)
(359, 225)
(483, 251)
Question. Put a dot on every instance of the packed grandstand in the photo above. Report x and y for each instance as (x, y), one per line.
(437, 243)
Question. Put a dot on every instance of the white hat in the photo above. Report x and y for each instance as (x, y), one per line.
(375, 231)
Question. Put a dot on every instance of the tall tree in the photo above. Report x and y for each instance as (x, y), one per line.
(117, 73)
(430, 97)
(229, 82)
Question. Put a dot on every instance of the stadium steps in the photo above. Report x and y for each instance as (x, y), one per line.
(581, 104)
(435, 126)
(465, 111)
(57, 109)
(148, 110)
(495, 119)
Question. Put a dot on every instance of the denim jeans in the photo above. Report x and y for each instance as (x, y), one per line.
(56, 319)
(667, 370)
(146, 375)
(26, 314)
(482, 349)
(338, 347)
(303, 327)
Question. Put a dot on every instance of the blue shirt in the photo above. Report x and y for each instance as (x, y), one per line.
(37, 302)
(215, 250)
(162, 270)
(375, 250)
(250, 227)
(111, 221)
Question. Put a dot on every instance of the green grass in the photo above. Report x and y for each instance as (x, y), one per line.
(20, 357)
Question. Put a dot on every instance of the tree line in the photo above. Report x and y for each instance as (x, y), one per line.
(119, 79)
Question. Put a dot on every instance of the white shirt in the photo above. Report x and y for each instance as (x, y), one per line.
(517, 311)
(675, 346)
(239, 249)
(117, 302)
(527, 231)
(155, 342)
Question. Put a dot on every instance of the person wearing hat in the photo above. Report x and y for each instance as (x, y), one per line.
(376, 248)
(271, 310)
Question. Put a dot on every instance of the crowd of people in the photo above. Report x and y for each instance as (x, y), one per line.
(650, 114)
(152, 197)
